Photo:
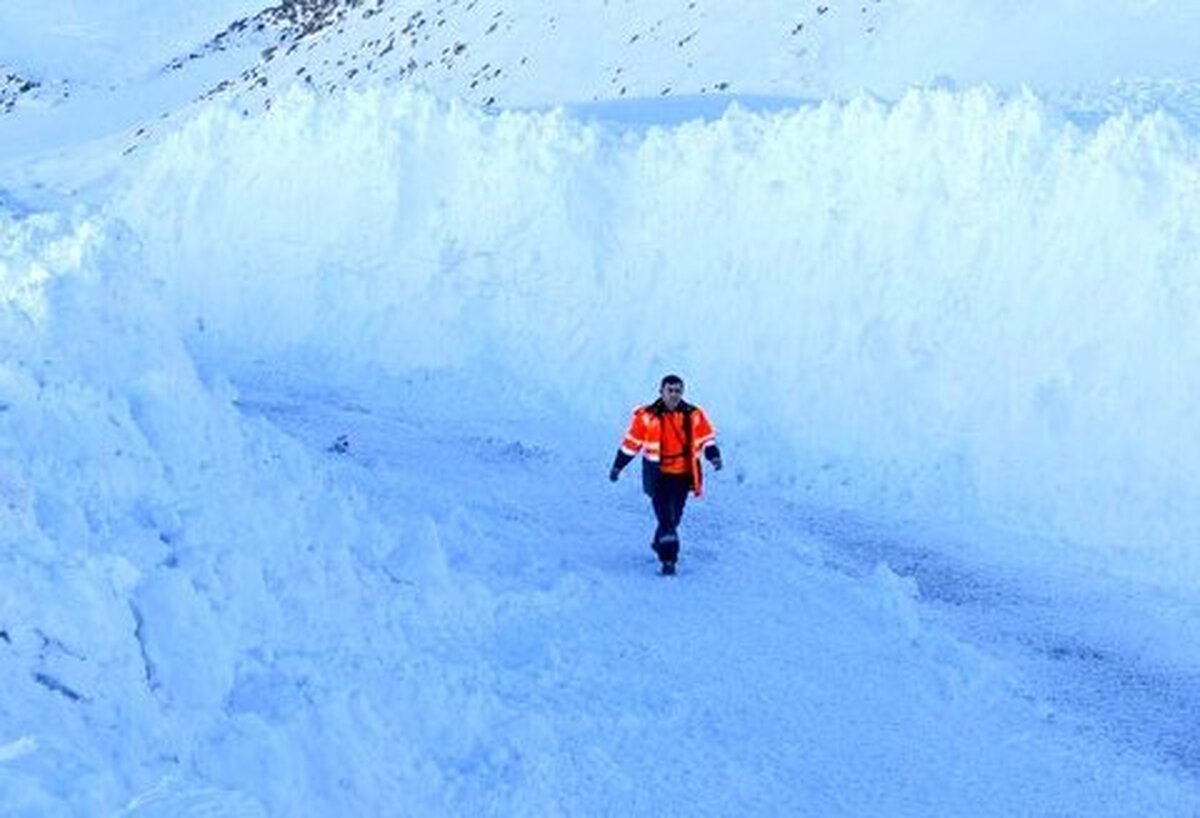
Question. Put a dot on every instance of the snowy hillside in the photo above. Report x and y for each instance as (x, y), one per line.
(319, 325)
(501, 53)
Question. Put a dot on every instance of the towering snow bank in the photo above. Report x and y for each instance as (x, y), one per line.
(177, 574)
(959, 307)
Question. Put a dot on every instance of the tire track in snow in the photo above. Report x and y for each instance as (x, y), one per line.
(1080, 642)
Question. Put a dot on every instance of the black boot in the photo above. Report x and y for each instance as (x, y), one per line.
(668, 569)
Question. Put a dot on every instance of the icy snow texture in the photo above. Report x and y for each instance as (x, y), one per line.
(957, 308)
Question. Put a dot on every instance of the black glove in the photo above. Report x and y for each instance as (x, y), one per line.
(620, 461)
(713, 455)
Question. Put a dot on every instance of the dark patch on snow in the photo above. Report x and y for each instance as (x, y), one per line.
(15, 88)
(51, 683)
(52, 644)
(1075, 652)
(149, 670)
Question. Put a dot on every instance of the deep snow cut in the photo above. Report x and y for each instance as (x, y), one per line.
(216, 608)
(958, 308)
(306, 401)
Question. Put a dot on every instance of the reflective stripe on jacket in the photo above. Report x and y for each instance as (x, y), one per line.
(646, 435)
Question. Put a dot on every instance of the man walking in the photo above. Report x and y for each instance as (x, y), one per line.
(671, 434)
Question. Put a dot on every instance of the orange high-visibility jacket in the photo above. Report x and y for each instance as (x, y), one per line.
(652, 426)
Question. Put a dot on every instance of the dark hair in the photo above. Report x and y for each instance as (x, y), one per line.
(670, 380)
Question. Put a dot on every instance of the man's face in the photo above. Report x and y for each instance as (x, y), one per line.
(672, 393)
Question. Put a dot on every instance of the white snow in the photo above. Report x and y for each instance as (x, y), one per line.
(305, 415)
(110, 42)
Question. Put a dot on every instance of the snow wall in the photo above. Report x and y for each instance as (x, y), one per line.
(960, 308)
(192, 603)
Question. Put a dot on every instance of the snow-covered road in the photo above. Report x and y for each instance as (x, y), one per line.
(787, 670)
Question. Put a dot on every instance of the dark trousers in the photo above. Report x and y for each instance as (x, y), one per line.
(669, 497)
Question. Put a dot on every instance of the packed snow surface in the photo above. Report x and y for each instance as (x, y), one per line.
(306, 412)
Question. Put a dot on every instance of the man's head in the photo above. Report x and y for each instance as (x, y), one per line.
(671, 390)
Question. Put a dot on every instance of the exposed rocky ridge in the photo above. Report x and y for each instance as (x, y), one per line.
(496, 53)
(17, 89)
(12, 88)
(478, 49)
(289, 21)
